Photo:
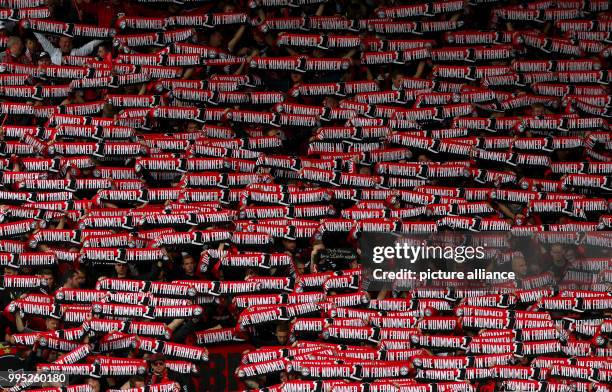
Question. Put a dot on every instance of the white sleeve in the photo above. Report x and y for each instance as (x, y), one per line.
(54, 53)
(46, 44)
(86, 49)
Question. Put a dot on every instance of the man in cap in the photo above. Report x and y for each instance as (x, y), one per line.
(43, 58)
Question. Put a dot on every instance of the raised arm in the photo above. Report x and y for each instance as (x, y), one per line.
(19, 323)
(86, 49)
(46, 44)
(234, 41)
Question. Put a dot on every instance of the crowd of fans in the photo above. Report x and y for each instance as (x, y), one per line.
(178, 175)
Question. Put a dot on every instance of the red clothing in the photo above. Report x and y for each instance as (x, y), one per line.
(156, 379)
(106, 15)
(108, 58)
(7, 57)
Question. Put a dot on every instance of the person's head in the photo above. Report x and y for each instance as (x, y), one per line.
(249, 272)
(396, 80)
(103, 51)
(31, 44)
(52, 324)
(108, 110)
(331, 102)
(192, 126)
(570, 255)
(65, 44)
(188, 264)
(282, 333)
(538, 109)
(52, 356)
(43, 58)
(70, 279)
(48, 275)
(94, 383)
(297, 77)
(15, 46)
(229, 8)
(556, 254)
(81, 277)
(216, 39)
(284, 376)
(318, 53)
(158, 364)
(251, 383)
(423, 158)
(365, 170)
(519, 265)
(10, 271)
(289, 245)
(259, 37)
(136, 382)
(121, 270)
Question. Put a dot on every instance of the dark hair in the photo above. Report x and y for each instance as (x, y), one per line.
(69, 274)
(135, 379)
(396, 73)
(80, 269)
(106, 46)
(282, 327)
